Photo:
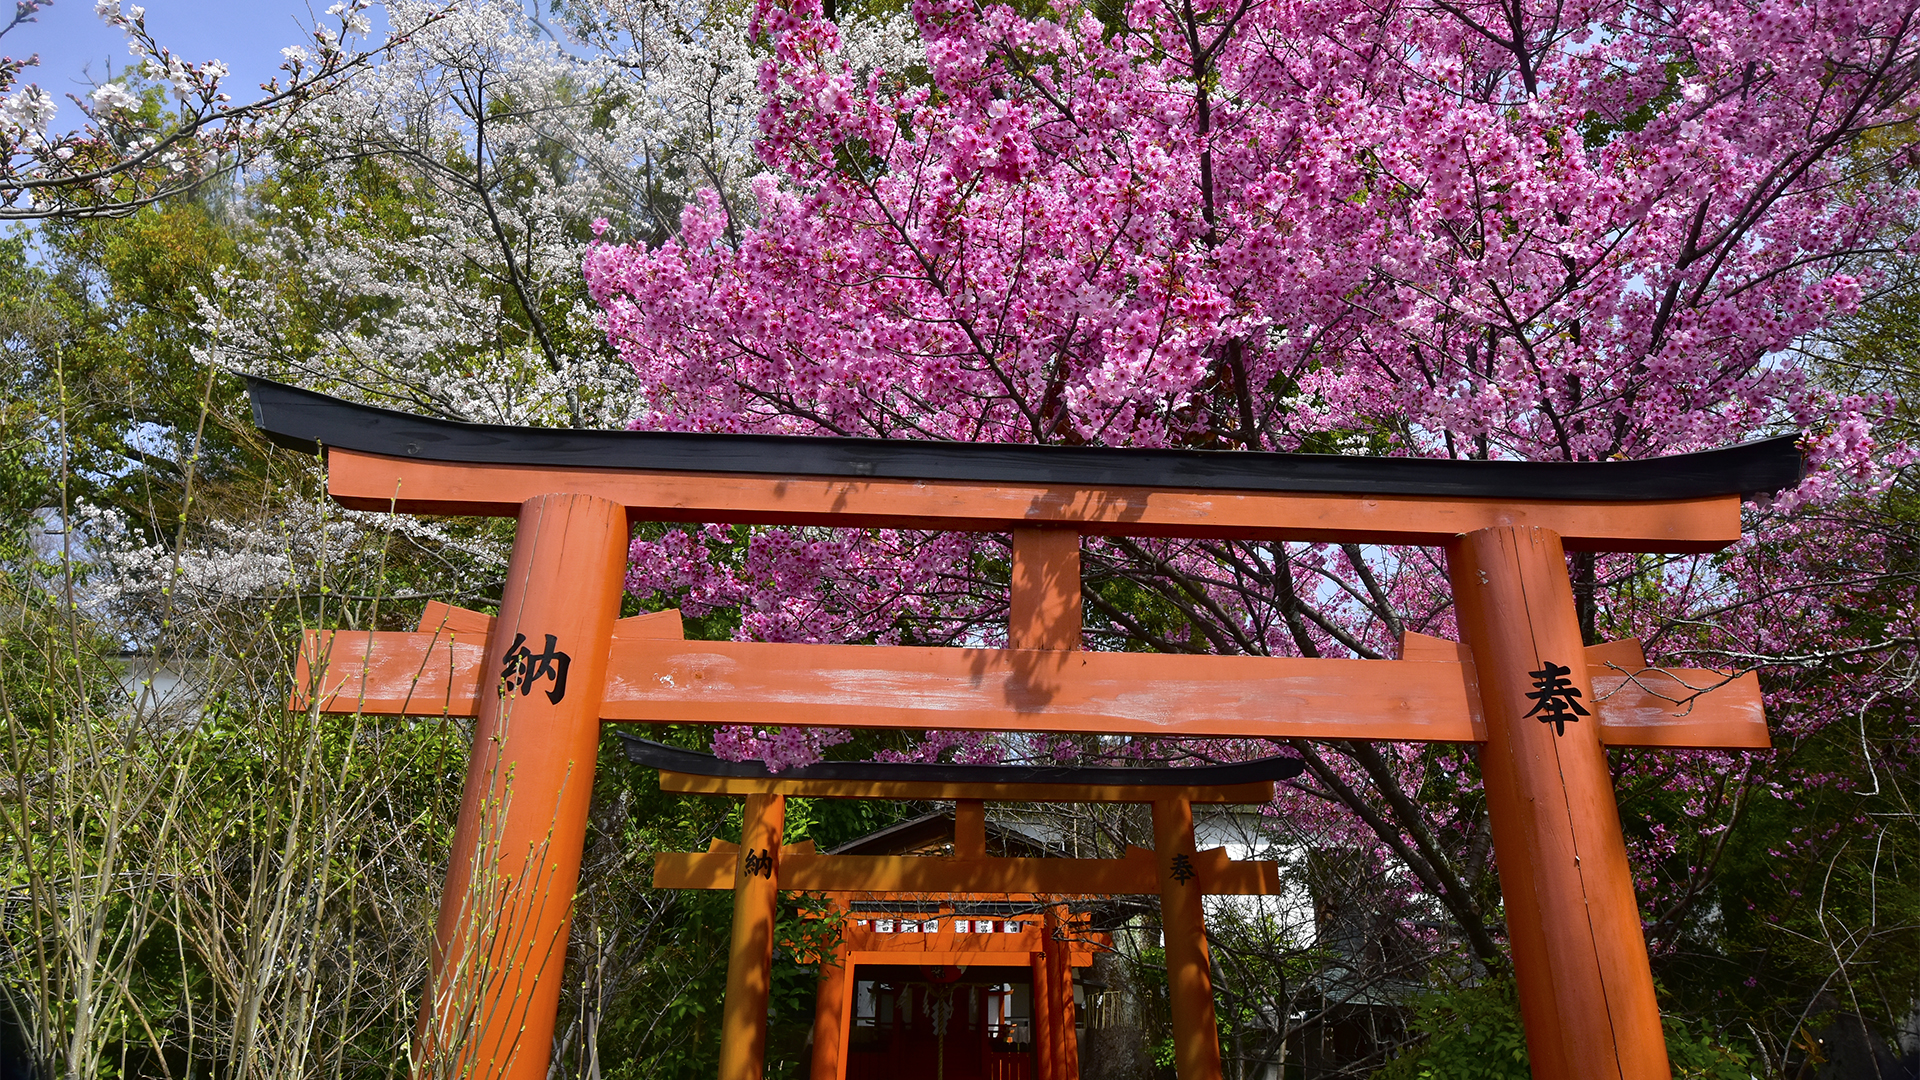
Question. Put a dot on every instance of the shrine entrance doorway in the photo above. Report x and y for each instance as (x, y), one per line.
(941, 1023)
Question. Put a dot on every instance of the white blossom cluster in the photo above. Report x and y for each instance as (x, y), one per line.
(310, 549)
(25, 115)
(502, 145)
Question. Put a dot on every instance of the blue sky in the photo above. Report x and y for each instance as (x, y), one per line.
(247, 37)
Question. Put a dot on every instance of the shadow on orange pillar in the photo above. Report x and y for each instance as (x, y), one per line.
(831, 1011)
(1196, 1039)
(1579, 956)
(756, 903)
(1066, 1046)
(1040, 1010)
(500, 942)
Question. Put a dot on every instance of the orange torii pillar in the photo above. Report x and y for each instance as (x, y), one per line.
(1046, 1063)
(1044, 613)
(1196, 1038)
(501, 940)
(1579, 955)
(832, 1010)
(1065, 1047)
(756, 903)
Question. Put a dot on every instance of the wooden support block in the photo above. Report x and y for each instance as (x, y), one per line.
(969, 829)
(1625, 655)
(443, 618)
(1044, 612)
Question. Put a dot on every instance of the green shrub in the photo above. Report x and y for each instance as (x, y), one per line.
(1474, 1033)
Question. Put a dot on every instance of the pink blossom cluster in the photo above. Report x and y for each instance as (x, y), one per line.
(1576, 231)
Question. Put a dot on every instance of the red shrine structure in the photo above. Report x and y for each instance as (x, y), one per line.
(541, 677)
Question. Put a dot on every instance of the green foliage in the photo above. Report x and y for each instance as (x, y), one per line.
(1474, 1033)
(1697, 1055)
(1465, 1033)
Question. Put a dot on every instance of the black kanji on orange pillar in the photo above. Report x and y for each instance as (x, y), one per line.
(1553, 697)
(1183, 870)
(529, 667)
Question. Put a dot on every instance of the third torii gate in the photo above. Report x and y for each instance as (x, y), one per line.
(541, 677)
(1173, 869)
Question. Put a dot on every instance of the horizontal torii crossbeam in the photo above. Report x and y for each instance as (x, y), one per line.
(541, 677)
(1427, 696)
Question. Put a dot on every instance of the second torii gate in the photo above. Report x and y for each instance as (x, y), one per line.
(541, 677)
(756, 868)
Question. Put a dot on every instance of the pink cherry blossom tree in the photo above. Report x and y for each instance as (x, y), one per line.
(1463, 228)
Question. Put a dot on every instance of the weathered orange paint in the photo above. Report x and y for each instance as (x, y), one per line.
(1037, 690)
(1680, 708)
(1196, 1039)
(756, 902)
(435, 671)
(500, 943)
(374, 482)
(1586, 991)
(659, 678)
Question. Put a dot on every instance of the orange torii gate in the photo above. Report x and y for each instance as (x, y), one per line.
(935, 940)
(541, 677)
(1174, 869)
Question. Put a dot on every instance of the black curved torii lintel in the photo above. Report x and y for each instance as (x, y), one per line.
(307, 421)
(656, 755)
